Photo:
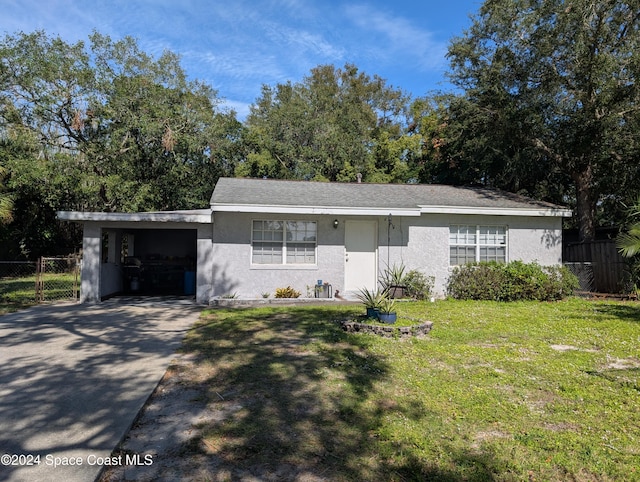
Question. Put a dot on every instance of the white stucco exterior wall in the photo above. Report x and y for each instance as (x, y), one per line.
(204, 269)
(420, 243)
(423, 243)
(233, 273)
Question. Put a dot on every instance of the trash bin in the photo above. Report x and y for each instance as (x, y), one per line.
(189, 282)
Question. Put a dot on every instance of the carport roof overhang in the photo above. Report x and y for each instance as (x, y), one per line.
(201, 216)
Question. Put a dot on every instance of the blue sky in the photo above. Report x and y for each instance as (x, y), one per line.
(236, 46)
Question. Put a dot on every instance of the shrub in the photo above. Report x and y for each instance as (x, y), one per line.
(481, 281)
(418, 285)
(562, 281)
(287, 292)
(511, 282)
(631, 276)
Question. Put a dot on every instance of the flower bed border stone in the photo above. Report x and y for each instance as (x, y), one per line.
(390, 331)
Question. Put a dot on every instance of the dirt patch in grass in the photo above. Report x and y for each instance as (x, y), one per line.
(621, 371)
(164, 430)
(572, 348)
(560, 426)
(624, 364)
(482, 437)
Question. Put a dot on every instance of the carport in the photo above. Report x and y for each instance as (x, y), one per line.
(152, 253)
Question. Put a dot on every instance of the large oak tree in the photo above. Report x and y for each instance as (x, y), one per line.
(104, 126)
(551, 102)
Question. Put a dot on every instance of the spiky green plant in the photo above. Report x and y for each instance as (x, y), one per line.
(629, 243)
(371, 298)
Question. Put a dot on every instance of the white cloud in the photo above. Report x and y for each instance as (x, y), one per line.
(238, 45)
(400, 40)
(241, 108)
(303, 42)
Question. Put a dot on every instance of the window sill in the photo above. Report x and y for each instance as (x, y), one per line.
(284, 266)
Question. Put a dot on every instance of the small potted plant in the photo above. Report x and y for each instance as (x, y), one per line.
(372, 300)
(388, 311)
(393, 280)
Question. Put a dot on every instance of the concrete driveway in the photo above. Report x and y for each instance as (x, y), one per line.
(73, 378)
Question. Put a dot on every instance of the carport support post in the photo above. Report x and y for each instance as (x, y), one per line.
(91, 261)
(204, 270)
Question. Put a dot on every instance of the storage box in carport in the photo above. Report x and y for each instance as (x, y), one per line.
(189, 282)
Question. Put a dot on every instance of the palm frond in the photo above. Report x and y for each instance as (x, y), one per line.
(628, 243)
(635, 209)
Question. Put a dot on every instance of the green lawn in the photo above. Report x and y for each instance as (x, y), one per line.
(20, 292)
(497, 391)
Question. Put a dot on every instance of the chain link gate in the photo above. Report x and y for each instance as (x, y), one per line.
(57, 278)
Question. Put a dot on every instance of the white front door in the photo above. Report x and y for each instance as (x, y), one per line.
(360, 257)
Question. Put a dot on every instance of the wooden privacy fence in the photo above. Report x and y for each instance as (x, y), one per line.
(598, 265)
(47, 279)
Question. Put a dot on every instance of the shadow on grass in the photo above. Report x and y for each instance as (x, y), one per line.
(300, 399)
(625, 311)
(17, 292)
(623, 377)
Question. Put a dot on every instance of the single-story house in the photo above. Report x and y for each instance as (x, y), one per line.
(259, 235)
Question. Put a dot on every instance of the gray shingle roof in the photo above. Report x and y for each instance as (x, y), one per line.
(270, 192)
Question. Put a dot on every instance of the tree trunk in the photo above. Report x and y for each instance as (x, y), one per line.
(585, 203)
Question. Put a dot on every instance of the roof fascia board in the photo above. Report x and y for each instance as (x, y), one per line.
(200, 217)
(334, 211)
(255, 208)
(565, 213)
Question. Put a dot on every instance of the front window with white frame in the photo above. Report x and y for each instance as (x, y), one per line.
(474, 243)
(283, 242)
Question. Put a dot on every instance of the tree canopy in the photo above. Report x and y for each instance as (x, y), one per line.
(550, 102)
(106, 127)
(332, 125)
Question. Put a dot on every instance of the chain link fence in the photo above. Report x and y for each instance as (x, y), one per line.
(18, 282)
(57, 278)
(44, 280)
(584, 273)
